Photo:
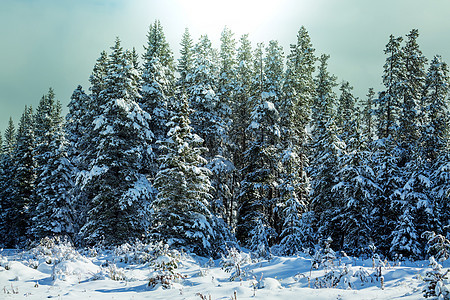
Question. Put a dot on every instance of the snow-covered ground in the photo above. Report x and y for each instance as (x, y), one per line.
(64, 273)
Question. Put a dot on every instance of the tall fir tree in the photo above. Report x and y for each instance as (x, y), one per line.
(202, 97)
(54, 215)
(118, 193)
(242, 105)
(181, 214)
(7, 173)
(186, 60)
(435, 138)
(295, 115)
(24, 179)
(326, 148)
(386, 153)
(158, 81)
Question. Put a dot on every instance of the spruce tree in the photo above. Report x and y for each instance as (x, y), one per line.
(202, 97)
(295, 115)
(24, 179)
(158, 80)
(326, 148)
(367, 120)
(118, 193)
(242, 105)
(436, 138)
(54, 215)
(7, 173)
(181, 215)
(387, 154)
(186, 60)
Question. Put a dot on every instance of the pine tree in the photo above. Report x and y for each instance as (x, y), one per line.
(186, 60)
(414, 203)
(326, 148)
(242, 105)
(97, 78)
(257, 198)
(181, 214)
(388, 102)
(367, 120)
(76, 124)
(118, 193)
(54, 213)
(387, 154)
(435, 128)
(411, 89)
(435, 138)
(295, 114)
(44, 126)
(223, 170)
(226, 87)
(6, 185)
(158, 80)
(202, 97)
(24, 179)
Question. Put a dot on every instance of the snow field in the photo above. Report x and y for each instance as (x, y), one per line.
(65, 273)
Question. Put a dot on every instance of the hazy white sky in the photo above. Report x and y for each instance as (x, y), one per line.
(54, 43)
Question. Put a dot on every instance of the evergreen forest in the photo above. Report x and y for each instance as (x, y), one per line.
(242, 146)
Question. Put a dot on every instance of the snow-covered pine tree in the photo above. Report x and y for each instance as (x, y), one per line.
(158, 81)
(242, 105)
(24, 179)
(388, 102)
(186, 60)
(414, 203)
(294, 192)
(326, 148)
(6, 185)
(356, 188)
(223, 171)
(118, 193)
(75, 125)
(97, 78)
(181, 215)
(435, 126)
(203, 99)
(386, 154)
(367, 118)
(346, 116)
(295, 115)
(258, 195)
(435, 138)
(54, 215)
(44, 126)
(356, 193)
(411, 89)
(226, 87)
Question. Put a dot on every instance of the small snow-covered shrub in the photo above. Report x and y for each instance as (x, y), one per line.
(165, 267)
(324, 257)
(138, 252)
(336, 277)
(233, 262)
(439, 245)
(116, 273)
(54, 250)
(436, 280)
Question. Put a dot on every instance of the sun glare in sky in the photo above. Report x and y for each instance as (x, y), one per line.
(206, 16)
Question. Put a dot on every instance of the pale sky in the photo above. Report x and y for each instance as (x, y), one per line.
(55, 43)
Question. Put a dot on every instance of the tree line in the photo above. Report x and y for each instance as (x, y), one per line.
(236, 145)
